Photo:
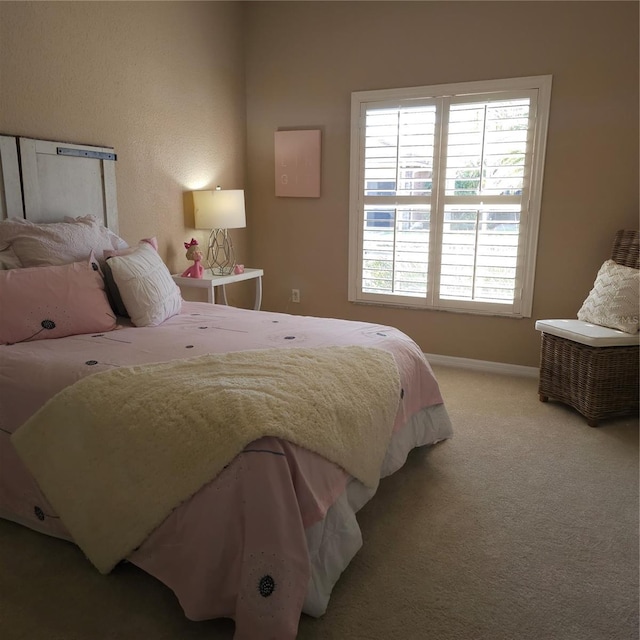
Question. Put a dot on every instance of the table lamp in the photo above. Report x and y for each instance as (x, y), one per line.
(220, 211)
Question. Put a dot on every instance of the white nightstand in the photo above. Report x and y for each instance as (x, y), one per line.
(210, 282)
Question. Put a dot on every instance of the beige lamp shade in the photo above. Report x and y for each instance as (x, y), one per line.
(219, 209)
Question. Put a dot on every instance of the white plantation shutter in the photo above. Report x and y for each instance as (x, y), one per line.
(398, 169)
(445, 195)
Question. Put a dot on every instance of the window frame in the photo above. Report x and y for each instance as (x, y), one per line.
(539, 89)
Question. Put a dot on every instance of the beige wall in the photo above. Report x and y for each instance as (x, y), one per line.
(303, 60)
(162, 83)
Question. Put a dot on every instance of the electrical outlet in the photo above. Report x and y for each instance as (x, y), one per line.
(295, 295)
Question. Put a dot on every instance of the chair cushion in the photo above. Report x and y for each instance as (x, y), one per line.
(614, 299)
(587, 333)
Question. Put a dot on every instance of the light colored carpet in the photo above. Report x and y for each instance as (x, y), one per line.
(524, 526)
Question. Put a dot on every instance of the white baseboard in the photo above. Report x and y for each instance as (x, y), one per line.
(483, 365)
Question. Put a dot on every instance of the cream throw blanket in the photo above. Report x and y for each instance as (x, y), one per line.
(117, 451)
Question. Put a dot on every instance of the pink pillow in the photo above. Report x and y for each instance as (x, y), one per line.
(37, 303)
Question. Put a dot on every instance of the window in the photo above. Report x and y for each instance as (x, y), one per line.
(446, 183)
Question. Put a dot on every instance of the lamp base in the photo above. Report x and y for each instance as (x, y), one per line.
(220, 255)
(221, 271)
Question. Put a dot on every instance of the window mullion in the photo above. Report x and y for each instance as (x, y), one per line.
(395, 210)
(482, 149)
(475, 252)
(479, 213)
(437, 200)
(398, 152)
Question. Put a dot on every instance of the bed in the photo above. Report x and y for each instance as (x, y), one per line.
(232, 449)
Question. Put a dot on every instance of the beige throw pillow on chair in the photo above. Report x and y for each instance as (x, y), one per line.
(614, 301)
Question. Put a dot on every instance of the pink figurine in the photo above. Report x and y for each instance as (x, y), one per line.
(196, 270)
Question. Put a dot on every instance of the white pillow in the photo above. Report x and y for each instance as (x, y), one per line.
(9, 260)
(54, 243)
(115, 299)
(614, 301)
(146, 287)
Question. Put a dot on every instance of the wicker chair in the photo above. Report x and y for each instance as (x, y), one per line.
(591, 368)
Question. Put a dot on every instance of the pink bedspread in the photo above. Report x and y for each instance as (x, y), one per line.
(252, 564)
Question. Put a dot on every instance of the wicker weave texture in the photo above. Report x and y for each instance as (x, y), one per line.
(599, 382)
(625, 249)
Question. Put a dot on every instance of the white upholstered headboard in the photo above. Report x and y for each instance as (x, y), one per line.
(44, 181)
